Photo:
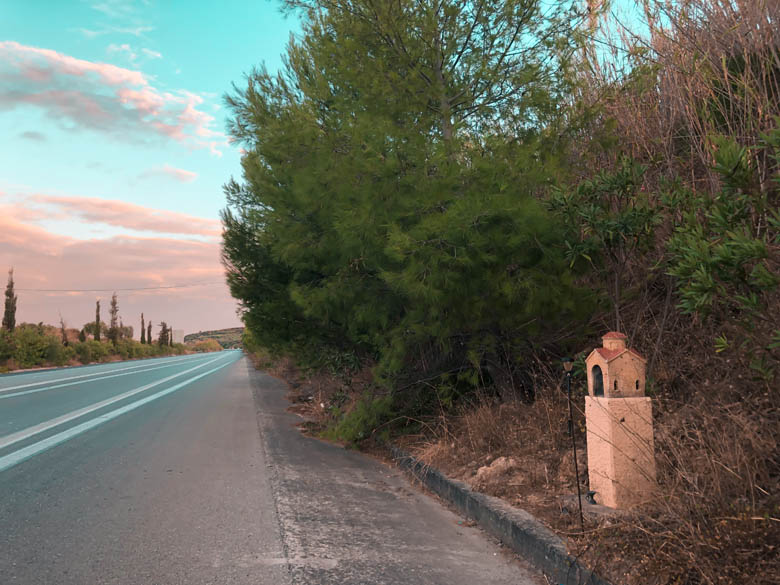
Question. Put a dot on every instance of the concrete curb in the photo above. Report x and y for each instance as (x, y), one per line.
(516, 528)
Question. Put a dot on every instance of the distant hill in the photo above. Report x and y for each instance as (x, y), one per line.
(227, 338)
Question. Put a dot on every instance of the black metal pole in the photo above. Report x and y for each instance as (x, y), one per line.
(574, 449)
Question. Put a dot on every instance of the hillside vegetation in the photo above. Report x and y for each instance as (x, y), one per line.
(440, 200)
(226, 338)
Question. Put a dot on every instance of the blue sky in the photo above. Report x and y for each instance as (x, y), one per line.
(114, 150)
(197, 47)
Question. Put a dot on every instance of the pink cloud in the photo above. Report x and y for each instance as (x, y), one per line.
(26, 58)
(131, 216)
(102, 97)
(44, 260)
(167, 170)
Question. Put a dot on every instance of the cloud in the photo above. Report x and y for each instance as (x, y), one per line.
(136, 31)
(124, 48)
(130, 216)
(171, 172)
(151, 54)
(131, 54)
(114, 8)
(86, 95)
(44, 260)
(33, 135)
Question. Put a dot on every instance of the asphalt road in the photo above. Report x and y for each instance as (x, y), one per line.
(190, 471)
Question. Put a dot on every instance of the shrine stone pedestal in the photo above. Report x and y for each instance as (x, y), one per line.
(619, 423)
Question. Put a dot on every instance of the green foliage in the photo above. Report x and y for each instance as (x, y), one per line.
(91, 351)
(363, 419)
(724, 252)
(31, 345)
(9, 313)
(610, 222)
(389, 206)
(91, 328)
(127, 349)
(98, 326)
(164, 337)
(206, 345)
(230, 338)
(7, 345)
(113, 328)
(56, 353)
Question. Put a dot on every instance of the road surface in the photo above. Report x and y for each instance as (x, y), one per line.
(189, 470)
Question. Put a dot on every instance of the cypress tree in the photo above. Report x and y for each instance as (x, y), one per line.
(149, 333)
(9, 316)
(162, 338)
(143, 329)
(82, 335)
(113, 329)
(63, 332)
(97, 320)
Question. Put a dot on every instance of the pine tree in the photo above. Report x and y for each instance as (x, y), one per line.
(389, 206)
(113, 328)
(143, 329)
(97, 320)
(9, 316)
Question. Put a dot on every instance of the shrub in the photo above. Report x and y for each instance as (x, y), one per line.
(6, 345)
(57, 354)
(91, 351)
(207, 345)
(367, 415)
(30, 346)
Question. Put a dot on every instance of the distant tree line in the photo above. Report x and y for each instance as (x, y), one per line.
(27, 345)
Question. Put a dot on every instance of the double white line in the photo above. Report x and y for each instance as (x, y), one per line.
(24, 453)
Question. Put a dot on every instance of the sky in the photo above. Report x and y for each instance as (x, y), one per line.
(114, 152)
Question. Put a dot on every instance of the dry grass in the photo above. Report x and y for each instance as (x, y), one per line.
(516, 451)
(713, 68)
(716, 517)
(318, 397)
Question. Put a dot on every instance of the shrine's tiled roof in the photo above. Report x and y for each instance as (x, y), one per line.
(614, 335)
(611, 354)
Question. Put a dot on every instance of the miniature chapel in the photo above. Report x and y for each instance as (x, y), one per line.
(619, 424)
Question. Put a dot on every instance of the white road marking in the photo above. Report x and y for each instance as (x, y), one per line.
(24, 453)
(65, 384)
(39, 428)
(6, 389)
